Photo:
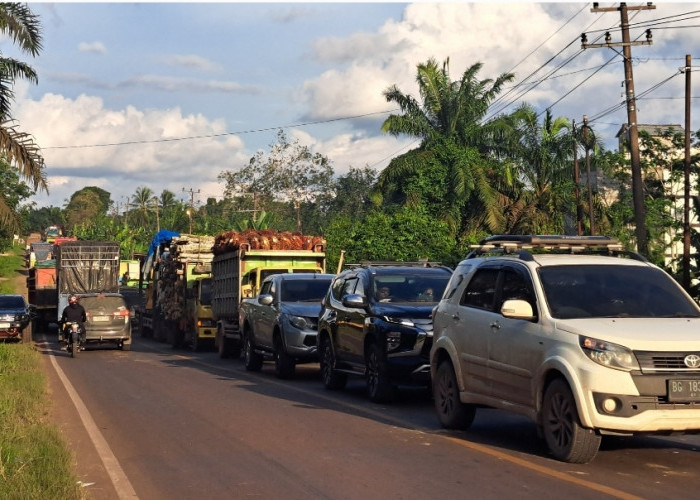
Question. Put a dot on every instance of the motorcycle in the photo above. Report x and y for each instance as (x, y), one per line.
(75, 338)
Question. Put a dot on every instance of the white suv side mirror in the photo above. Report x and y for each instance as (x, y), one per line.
(517, 309)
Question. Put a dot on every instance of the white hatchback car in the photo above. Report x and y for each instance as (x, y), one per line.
(575, 333)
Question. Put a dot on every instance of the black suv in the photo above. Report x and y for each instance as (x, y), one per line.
(376, 322)
(15, 316)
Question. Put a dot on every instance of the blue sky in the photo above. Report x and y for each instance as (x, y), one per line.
(112, 74)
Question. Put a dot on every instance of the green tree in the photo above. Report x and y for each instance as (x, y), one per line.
(351, 193)
(289, 172)
(407, 235)
(544, 193)
(142, 200)
(18, 23)
(85, 206)
(15, 191)
(36, 219)
(450, 121)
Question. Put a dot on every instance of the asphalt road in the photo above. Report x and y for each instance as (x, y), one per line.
(177, 424)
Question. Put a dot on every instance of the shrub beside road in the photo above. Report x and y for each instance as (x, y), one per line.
(35, 462)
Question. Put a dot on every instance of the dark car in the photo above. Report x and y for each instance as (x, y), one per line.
(376, 322)
(15, 315)
(108, 320)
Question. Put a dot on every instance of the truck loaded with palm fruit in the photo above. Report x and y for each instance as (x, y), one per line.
(242, 260)
(178, 296)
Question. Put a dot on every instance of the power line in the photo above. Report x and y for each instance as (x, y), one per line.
(223, 134)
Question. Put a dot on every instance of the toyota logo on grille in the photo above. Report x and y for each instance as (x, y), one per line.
(692, 361)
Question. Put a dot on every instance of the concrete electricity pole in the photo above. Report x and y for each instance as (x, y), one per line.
(686, 188)
(633, 132)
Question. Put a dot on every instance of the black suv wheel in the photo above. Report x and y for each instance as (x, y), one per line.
(330, 378)
(379, 388)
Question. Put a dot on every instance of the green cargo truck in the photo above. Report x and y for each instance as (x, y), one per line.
(237, 274)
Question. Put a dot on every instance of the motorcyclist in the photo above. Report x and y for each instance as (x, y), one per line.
(73, 313)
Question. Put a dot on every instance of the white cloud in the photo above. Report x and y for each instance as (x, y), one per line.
(96, 47)
(119, 150)
(192, 62)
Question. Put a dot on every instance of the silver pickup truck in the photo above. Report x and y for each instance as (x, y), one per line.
(282, 321)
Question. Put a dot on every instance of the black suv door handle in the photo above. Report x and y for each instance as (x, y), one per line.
(495, 325)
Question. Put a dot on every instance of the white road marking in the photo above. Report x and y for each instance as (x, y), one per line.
(121, 483)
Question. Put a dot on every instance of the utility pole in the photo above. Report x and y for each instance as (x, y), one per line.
(192, 193)
(686, 188)
(633, 132)
(190, 211)
(588, 174)
(155, 199)
(577, 181)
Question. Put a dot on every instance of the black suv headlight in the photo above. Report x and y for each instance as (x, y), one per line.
(393, 337)
(608, 354)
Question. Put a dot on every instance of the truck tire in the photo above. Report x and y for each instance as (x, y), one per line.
(196, 344)
(253, 360)
(177, 338)
(223, 344)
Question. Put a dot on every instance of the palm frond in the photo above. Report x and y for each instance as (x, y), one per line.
(19, 23)
(21, 150)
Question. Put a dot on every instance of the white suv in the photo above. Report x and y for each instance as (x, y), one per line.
(575, 333)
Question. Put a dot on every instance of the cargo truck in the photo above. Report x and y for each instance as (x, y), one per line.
(178, 297)
(41, 293)
(240, 264)
(85, 267)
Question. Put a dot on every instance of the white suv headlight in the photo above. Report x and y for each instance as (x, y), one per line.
(608, 354)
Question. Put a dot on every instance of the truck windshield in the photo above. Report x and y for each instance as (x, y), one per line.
(613, 291)
(304, 290)
(205, 291)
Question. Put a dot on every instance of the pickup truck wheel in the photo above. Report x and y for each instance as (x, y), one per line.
(253, 360)
(379, 388)
(451, 412)
(330, 378)
(285, 364)
(566, 438)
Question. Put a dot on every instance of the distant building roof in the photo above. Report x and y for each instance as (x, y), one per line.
(652, 130)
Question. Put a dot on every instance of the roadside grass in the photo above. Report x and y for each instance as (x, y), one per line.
(35, 462)
(10, 264)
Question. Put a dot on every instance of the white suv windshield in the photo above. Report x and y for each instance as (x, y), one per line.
(613, 291)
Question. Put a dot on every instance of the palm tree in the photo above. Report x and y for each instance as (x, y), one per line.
(543, 157)
(19, 24)
(142, 200)
(448, 122)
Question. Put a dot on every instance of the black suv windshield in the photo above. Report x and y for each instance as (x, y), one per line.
(613, 291)
(410, 286)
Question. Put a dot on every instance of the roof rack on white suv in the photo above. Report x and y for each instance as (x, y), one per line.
(506, 243)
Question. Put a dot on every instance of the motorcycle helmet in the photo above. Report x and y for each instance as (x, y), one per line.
(73, 299)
